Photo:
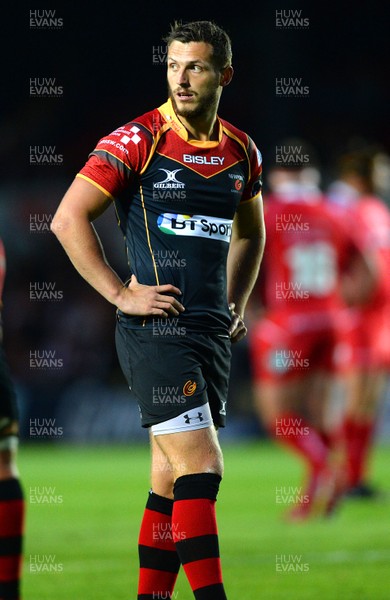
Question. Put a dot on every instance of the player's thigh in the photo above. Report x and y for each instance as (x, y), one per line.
(280, 367)
(364, 391)
(162, 478)
(189, 452)
(277, 398)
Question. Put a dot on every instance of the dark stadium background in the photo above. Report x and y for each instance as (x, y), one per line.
(102, 56)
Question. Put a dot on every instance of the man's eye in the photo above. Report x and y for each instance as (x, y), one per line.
(173, 66)
(196, 68)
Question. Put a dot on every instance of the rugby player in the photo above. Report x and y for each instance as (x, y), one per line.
(354, 192)
(296, 345)
(11, 492)
(186, 188)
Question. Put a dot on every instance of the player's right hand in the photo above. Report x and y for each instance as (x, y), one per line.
(147, 300)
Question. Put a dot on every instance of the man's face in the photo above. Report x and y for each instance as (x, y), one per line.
(193, 81)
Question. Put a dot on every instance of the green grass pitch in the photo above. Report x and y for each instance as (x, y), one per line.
(84, 506)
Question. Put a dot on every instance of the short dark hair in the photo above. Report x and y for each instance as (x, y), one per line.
(203, 31)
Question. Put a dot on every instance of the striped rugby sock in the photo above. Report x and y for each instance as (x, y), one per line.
(11, 538)
(159, 563)
(195, 531)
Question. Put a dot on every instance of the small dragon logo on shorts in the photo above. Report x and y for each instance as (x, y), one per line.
(189, 388)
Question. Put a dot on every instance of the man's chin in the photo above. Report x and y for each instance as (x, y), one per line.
(188, 113)
(184, 110)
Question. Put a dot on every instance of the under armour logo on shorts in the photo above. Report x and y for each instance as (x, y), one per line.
(188, 419)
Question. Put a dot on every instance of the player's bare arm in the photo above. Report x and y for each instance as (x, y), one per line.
(244, 259)
(72, 224)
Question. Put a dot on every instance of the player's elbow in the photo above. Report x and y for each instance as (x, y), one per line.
(60, 224)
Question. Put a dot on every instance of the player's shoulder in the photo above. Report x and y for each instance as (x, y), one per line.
(132, 142)
(332, 213)
(236, 133)
(245, 141)
(341, 217)
(140, 129)
(151, 122)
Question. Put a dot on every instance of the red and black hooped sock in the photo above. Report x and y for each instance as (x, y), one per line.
(159, 562)
(11, 538)
(195, 531)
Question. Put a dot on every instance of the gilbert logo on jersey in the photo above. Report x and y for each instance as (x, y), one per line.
(196, 225)
(170, 181)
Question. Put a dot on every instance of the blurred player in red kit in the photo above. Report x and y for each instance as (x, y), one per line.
(354, 193)
(11, 494)
(295, 344)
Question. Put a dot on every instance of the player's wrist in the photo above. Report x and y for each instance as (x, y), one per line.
(237, 309)
(127, 302)
(120, 296)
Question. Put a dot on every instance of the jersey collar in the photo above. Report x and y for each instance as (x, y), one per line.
(168, 113)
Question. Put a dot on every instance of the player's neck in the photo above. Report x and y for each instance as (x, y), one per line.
(202, 129)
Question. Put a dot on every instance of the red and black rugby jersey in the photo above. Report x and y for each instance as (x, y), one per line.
(176, 199)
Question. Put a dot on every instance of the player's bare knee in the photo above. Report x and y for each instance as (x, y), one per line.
(207, 459)
(214, 460)
(162, 479)
(163, 487)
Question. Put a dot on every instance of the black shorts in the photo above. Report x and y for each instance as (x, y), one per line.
(172, 374)
(8, 406)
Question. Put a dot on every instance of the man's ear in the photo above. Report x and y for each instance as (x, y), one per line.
(226, 76)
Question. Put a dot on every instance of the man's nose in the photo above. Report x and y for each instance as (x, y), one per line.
(182, 77)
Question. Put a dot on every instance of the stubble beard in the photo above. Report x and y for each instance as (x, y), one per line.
(202, 109)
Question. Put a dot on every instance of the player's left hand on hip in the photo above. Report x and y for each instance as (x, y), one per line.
(237, 329)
